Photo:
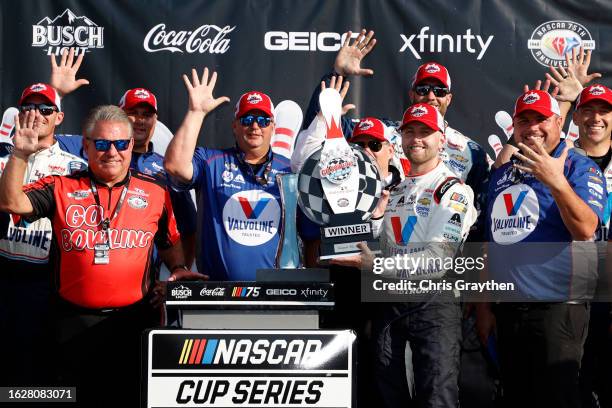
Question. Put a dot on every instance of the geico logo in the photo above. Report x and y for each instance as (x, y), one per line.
(304, 41)
(261, 351)
(281, 292)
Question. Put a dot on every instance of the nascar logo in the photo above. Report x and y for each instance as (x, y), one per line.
(210, 351)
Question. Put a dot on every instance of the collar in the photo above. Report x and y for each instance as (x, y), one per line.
(51, 150)
(123, 182)
(242, 155)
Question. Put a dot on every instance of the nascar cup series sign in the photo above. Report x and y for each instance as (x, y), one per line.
(205, 368)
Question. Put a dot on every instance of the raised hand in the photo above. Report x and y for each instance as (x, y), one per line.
(537, 161)
(63, 76)
(200, 92)
(567, 85)
(578, 65)
(26, 135)
(342, 87)
(348, 60)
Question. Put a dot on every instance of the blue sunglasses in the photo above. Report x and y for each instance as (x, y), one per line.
(262, 121)
(103, 145)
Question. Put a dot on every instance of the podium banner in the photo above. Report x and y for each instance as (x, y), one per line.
(232, 368)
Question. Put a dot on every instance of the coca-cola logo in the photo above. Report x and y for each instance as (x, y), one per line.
(218, 291)
(207, 38)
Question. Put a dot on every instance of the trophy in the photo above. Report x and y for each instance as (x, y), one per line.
(339, 186)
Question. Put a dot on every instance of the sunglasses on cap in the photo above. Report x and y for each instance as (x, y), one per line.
(262, 121)
(424, 90)
(43, 108)
(373, 145)
(103, 145)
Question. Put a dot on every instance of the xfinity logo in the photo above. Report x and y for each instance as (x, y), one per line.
(459, 43)
(207, 38)
(304, 41)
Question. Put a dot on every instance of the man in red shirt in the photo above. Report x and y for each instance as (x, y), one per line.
(105, 222)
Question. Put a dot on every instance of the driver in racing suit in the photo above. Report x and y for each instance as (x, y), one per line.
(428, 216)
(25, 248)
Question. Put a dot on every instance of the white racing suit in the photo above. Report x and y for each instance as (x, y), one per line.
(431, 215)
(25, 276)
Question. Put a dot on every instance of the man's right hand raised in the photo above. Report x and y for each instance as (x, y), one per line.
(26, 136)
(348, 60)
(200, 92)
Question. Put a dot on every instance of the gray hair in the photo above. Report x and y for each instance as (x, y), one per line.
(105, 113)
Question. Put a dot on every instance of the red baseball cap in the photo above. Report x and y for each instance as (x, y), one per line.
(432, 70)
(594, 92)
(538, 101)
(44, 90)
(370, 127)
(137, 96)
(424, 113)
(254, 100)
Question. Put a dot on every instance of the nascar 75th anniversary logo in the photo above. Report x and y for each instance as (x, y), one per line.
(230, 368)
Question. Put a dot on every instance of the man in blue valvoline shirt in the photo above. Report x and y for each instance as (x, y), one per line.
(543, 199)
(239, 207)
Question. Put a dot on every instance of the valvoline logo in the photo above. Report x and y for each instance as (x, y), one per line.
(512, 206)
(250, 212)
(402, 233)
(251, 217)
(515, 214)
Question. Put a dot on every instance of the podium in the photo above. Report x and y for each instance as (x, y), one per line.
(254, 344)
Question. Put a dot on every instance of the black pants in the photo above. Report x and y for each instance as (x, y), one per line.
(100, 353)
(540, 348)
(433, 330)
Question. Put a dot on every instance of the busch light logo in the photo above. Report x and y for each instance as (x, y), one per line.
(597, 90)
(38, 88)
(432, 68)
(531, 97)
(181, 292)
(254, 98)
(141, 94)
(65, 31)
(207, 38)
(418, 111)
(366, 124)
(551, 40)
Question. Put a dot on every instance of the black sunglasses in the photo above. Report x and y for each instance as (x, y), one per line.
(262, 121)
(373, 145)
(103, 145)
(43, 108)
(424, 90)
